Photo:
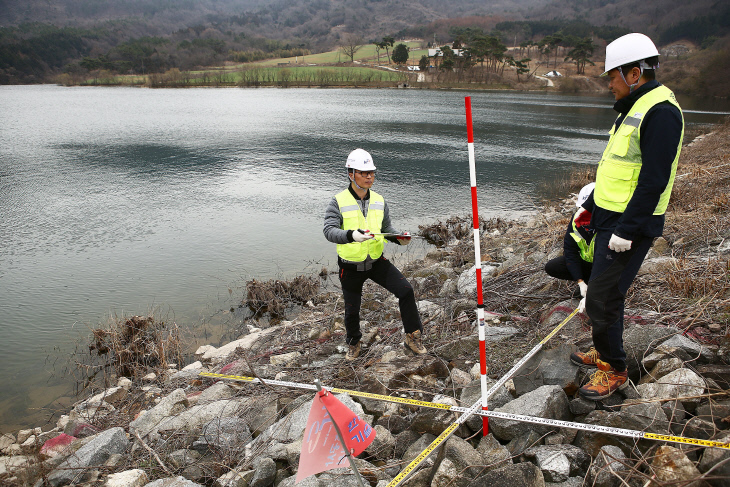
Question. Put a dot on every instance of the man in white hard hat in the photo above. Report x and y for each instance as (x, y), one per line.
(633, 184)
(355, 220)
(576, 262)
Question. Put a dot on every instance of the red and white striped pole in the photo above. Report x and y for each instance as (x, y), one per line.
(478, 262)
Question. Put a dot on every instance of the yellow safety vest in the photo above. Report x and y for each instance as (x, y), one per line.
(618, 171)
(353, 219)
(586, 249)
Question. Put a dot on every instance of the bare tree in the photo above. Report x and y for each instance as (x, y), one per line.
(351, 43)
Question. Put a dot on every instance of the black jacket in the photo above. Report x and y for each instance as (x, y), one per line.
(661, 132)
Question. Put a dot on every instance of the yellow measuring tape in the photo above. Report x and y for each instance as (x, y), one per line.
(475, 409)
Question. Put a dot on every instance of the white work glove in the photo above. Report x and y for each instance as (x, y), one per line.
(405, 239)
(618, 244)
(582, 306)
(361, 235)
(583, 288)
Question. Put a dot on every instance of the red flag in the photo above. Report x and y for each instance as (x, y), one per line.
(321, 449)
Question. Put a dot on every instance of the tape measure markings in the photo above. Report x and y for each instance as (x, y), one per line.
(422, 456)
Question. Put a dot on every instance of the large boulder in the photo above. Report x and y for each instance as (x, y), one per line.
(671, 465)
(467, 282)
(172, 404)
(92, 454)
(128, 478)
(639, 342)
(682, 383)
(549, 367)
(559, 462)
(396, 374)
(473, 393)
(194, 418)
(609, 468)
(650, 422)
(524, 474)
(494, 455)
(717, 459)
(460, 463)
(544, 402)
(383, 445)
(227, 435)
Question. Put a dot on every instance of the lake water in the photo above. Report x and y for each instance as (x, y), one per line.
(123, 201)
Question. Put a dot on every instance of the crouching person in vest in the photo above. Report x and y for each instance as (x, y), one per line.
(355, 220)
(633, 184)
(576, 262)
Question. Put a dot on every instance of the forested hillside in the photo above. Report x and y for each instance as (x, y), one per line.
(40, 39)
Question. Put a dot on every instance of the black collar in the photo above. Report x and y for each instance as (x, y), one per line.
(624, 104)
(353, 193)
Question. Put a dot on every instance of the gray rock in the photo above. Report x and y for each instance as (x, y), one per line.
(549, 367)
(172, 404)
(494, 455)
(714, 411)
(682, 383)
(592, 442)
(265, 473)
(92, 454)
(227, 435)
(433, 421)
(544, 402)
(473, 393)
(459, 456)
(609, 467)
(559, 462)
(579, 406)
(344, 477)
(699, 428)
(694, 350)
(571, 482)
(639, 342)
(670, 464)
(524, 474)
(661, 353)
(308, 482)
(416, 448)
(194, 418)
(128, 478)
(290, 429)
(383, 445)
(403, 441)
(656, 265)
(235, 478)
(393, 423)
(173, 482)
(674, 411)
(521, 443)
(662, 368)
(182, 458)
(717, 460)
(216, 392)
(467, 282)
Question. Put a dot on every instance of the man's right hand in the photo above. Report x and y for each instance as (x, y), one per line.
(361, 235)
(583, 288)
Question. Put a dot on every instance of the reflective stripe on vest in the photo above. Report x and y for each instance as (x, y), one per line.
(353, 219)
(618, 171)
(586, 249)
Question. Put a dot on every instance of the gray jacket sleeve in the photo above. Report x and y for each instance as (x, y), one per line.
(387, 225)
(333, 224)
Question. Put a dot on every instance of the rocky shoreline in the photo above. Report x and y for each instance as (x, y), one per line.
(174, 428)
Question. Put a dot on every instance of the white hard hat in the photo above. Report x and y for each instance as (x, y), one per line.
(585, 192)
(628, 49)
(361, 160)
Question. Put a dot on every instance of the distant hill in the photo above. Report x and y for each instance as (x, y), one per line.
(42, 37)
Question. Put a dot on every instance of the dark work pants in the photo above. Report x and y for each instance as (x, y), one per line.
(612, 275)
(558, 269)
(385, 274)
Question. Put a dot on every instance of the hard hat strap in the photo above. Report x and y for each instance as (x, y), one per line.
(642, 67)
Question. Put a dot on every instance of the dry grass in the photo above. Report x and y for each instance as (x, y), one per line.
(275, 296)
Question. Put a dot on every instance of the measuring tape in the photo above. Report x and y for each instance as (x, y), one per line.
(476, 409)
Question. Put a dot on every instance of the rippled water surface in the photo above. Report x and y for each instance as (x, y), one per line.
(121, 201)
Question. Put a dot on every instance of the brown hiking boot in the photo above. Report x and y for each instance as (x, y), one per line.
(604, 382)
(415, 342)
(353, 352)
(588, 359)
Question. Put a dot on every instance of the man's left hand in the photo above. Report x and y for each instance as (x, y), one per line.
(405, 239)
(618, 244)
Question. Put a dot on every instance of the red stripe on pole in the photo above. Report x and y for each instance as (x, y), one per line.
(480, 297)
(474, 208)
(469, 132)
